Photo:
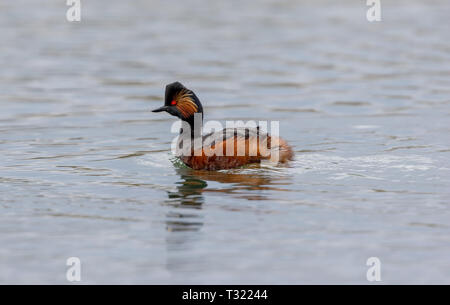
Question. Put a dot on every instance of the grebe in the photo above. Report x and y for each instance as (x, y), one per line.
(183, 103)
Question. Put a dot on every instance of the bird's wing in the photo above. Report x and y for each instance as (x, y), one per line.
(224, 134)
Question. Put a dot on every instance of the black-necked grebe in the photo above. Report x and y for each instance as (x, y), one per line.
(183, 103)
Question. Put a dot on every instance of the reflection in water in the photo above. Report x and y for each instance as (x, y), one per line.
(185, 218)
(193, 183)
(189, 191)
(188, 198)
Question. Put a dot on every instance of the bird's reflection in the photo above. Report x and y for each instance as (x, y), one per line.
(185, 217)
(189, 195)
(189, 191)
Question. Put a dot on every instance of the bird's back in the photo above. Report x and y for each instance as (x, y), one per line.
(235, 147)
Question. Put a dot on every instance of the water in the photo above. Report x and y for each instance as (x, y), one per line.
(86, 170)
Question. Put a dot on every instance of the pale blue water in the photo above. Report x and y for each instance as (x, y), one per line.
(86, 170)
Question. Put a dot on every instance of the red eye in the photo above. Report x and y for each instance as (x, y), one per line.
(173, 103)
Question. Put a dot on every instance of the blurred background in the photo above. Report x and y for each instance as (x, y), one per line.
(86, 168)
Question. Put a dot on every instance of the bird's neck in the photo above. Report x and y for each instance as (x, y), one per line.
(195, 125)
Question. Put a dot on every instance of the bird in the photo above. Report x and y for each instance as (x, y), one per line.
(225, 149)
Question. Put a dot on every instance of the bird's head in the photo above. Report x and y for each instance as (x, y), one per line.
(181, 102)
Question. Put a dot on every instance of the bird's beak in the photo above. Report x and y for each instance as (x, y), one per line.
(163, 108)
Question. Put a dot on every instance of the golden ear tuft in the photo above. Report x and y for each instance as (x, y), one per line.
(185, 103)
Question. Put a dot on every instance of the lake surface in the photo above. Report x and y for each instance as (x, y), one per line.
(86, 168)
